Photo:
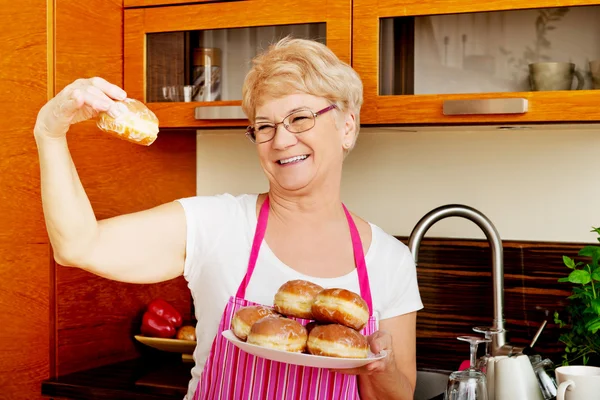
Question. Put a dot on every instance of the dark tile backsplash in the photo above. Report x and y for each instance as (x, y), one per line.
(456, 288)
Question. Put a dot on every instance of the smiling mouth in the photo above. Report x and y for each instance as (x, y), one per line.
(292, 160)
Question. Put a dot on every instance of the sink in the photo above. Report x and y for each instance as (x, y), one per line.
(431, 384)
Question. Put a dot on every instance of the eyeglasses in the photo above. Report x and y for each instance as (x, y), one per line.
(296, 122)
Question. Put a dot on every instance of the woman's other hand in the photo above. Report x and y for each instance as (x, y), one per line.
(395, 376)
(79, 101)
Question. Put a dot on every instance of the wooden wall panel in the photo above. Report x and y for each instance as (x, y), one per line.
(456, 288)
(96, 318)
(24, 261)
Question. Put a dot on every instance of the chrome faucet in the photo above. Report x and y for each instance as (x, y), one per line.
(498, 345)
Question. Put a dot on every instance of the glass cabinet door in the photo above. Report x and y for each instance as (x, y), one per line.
(188, 62)
(497, 65)
(210, 65)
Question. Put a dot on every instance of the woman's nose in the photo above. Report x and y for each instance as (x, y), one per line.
(283, 138)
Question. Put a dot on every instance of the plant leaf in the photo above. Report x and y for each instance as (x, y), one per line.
(580, 276)
(593, 325)
(590, 251)
(563, 279)
(569, 262)
(583, 293)
(596, 275)
(596, 306)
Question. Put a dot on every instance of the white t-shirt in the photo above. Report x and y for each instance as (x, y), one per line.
(220, 230)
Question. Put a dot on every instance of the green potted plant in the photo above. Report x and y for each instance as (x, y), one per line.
(581, 317)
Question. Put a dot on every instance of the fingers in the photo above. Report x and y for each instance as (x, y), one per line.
(112, 91)
(105, 103)
(380, 341)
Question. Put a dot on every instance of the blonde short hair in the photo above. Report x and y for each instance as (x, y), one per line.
(304, 66)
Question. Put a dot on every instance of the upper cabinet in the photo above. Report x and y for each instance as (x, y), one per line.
(149, 3)
(456, 62)
(439, 62)
(188, 62)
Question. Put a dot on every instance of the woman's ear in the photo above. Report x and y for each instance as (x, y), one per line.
(349, 133)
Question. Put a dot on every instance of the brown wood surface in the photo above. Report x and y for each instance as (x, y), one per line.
(560, 106)
(24, 262)
(456, 288)
(97, 318)
(182, 114)
(139, 21)
(153, 3)
(393, 8)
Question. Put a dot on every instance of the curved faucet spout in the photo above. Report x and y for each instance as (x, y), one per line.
(456, 210)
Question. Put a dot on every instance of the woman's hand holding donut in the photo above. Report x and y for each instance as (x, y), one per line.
(79, 101)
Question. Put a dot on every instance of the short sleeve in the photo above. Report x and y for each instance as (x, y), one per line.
(207, 220)
(402, 284)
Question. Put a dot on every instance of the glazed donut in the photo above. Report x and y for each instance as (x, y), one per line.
(136, 124)
(279, 334)
(244, 318)
(341, 306)
(295, 298)
(336, 340)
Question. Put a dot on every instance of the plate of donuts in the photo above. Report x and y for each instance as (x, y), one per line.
(305, 359)
(307, 325)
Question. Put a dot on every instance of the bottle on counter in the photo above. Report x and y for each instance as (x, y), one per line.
(207, 74)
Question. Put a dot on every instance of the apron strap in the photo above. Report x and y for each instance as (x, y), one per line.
(259, 234)
(359, 257)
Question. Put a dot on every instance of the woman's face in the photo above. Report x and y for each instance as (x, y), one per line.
(299, 161)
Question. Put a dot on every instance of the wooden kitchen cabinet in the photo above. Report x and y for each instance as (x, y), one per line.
(152, 3)
(166, 50)
(420, 61)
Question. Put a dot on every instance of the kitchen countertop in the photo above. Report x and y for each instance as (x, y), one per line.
(164, 377)
(143, 378)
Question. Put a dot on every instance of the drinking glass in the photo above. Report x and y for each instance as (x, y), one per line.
(470, 384)
(488, 331)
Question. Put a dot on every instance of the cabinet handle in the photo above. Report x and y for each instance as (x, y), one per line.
(486, 106)
(219, 112)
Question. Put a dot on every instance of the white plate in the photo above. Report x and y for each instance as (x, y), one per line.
(307, 360)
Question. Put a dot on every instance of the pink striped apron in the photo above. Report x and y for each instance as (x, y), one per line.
(230, 373)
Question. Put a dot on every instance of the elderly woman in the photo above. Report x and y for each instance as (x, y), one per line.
(303, 104)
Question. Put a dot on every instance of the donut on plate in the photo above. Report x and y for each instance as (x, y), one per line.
(335, 340)
(244, 318)
(279, 334)
(295, 298)
(341, 306)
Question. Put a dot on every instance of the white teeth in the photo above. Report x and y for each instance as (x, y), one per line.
(292, 159)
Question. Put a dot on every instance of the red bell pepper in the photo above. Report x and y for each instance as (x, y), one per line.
(155, 326)
(160, 320)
